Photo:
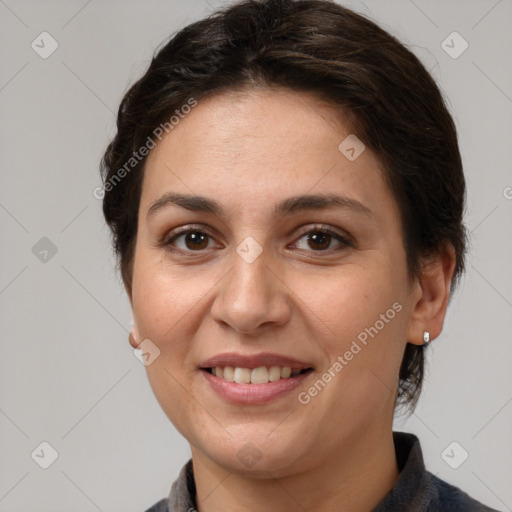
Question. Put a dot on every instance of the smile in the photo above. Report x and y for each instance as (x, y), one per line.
(260, 375)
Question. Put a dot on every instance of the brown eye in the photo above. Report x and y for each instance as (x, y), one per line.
(194, 240)
(319, 240)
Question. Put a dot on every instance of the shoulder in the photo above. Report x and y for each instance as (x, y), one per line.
(182, 495)
(452, 499)
(420, 490)
(160, 506)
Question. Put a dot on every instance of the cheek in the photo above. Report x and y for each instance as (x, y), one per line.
(164, 312)
(162, 295)
(171, 304)
(347, 299)
(359, 319)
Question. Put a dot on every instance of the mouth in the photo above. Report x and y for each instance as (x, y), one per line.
(245, 379)
(258, 375)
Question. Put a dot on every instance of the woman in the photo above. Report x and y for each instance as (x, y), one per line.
(285, 193)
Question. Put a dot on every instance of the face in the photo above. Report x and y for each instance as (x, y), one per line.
(267, 280)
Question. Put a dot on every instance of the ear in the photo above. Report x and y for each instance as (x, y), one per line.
(433, 289)
(134, 337)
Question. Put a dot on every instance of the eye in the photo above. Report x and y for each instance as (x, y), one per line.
(319, 238)
(193, 239)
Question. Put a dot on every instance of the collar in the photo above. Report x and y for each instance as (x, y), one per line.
(413, 488)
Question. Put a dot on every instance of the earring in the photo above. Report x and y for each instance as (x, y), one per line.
(426, 338)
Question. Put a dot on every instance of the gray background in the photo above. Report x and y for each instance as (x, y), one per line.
(68, 375)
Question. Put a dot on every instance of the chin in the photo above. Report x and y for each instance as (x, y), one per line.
(255, 455)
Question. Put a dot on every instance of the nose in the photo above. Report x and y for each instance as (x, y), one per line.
(252, 296)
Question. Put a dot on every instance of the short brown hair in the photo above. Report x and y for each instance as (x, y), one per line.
(320, 47)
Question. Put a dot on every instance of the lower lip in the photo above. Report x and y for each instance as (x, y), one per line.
(254, 393)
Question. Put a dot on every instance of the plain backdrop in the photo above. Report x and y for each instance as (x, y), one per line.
(68, 376)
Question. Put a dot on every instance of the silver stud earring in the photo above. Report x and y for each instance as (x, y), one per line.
(426, 338)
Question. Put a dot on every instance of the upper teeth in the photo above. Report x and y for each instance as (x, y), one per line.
(260, 375)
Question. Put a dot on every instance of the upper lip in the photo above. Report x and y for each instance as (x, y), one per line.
(253, 361)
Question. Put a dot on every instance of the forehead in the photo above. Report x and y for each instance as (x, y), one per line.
(260, 146)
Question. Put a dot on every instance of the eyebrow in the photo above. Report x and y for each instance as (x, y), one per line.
(287, 207)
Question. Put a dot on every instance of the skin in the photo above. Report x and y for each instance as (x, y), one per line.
(249, 151)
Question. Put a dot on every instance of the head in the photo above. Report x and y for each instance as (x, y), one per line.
(251, 108)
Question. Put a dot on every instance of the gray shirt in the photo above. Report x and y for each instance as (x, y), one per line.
(416, 489)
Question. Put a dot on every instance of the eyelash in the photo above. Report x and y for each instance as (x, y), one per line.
(345, 241)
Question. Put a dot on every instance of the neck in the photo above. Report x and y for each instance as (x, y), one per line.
(356, 480)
